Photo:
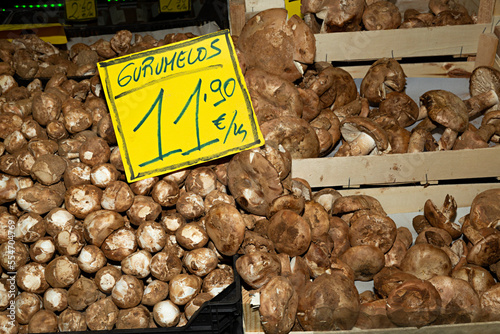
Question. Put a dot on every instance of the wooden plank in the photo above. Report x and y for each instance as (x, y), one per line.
(399, 168)
(496, 31)
(486, 50)
(260, 5)
(399, 43)
(412, 198)
(236, 16)
(485, 11)
(458, 69)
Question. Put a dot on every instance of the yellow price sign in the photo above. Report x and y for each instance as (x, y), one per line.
(175, 6)
(179, 105)
(80, 10)
(293, 8)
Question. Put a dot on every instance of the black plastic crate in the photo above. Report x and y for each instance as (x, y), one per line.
(221, 314)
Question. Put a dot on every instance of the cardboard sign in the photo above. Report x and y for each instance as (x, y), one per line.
(80, 10)
(175, 6)
(179, 105)
(293, 8)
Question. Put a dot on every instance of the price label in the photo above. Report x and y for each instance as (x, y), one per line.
(175, 6)
(80, 10)
(179, 105)
(293, 8)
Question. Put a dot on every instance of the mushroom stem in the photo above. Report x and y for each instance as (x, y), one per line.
(422, 113)
(479, 103)
(365, 107)
(486, 131)
(362, 145)
(447, 139)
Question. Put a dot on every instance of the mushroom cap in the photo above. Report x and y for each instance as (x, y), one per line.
(296, 136)
(290, 232)
(272, 96)
(414, 303)
(381, 15)
(446, 108)
(470, 139)
(373, 229)
(492, 117)
(388, 279)
(331, 301)
(485, 209)
(225, 227)
(451, 18)
(253, 181)
(438, 217)
(351, 127)
(486, 251)
(483, 79)
(383, 77)
(402, 107)
(425, 261)
(337, 15)
(490, 303)
(438, 6)
(334, 86)
(351, 203)
(278, 305)
(271, 42)
(459, 302)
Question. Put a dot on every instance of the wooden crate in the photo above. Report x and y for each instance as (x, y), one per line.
(392, 169)
(402, 204)
(348, 48)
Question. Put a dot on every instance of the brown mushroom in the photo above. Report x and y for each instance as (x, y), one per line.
(278, 305)
(362, 136)
(459, 302)
(253, 181)
(413, 303)
(383, 77)
(294, 134)
(381, 15)
(336, 16)
(296, 43)
(445, 108)
(272, 96)
(425, 261)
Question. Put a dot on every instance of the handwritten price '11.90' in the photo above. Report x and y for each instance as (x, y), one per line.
(225, 90)
(179, 105)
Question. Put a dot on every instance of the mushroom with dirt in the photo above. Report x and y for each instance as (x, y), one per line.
(293, 43)
(383, 77)
(335, 15)
(362, 136)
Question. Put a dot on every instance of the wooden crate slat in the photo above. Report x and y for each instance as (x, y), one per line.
(457, 69)
(399, 168)
(260, 5)
(487, 50)
(416, 42)
(412, 198)
(485, 11)
(236, 16)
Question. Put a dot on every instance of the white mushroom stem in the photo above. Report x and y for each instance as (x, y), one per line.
(447, 139)
(476, 105)
(422, 113)
(362, 145)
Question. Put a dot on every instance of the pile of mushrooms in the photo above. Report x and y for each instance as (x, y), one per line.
(80, 248)
(309, 107)
(327, 16)
(93, 252)
(300, 264)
